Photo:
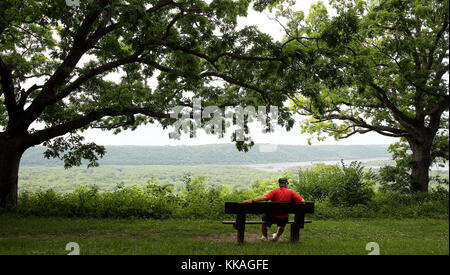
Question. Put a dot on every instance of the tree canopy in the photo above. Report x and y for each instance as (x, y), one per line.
(65, 68)
(380, 66)
(183, 44)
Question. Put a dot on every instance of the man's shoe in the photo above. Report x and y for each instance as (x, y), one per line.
(275, 237)
(264, 238)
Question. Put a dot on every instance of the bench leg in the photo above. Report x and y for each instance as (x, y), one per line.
(299, 221)
(240, 226)
(295, 233)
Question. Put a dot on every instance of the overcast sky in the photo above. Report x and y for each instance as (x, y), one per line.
(155, 135)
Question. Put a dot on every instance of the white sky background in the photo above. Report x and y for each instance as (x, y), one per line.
(155, 135)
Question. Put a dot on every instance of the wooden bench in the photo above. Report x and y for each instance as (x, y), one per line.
(241, 209)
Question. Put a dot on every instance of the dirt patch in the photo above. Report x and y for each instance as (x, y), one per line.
(249, 237)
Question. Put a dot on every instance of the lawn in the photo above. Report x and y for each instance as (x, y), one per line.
(39, 235)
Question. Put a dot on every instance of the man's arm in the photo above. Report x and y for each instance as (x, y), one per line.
(298, 198)
(262, 198)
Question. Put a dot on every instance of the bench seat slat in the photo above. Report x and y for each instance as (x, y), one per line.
(269, 208)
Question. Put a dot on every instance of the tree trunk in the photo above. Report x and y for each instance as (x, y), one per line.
(420, 173)
(10, 155)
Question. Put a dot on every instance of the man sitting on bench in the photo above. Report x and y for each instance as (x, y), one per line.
(282, 194)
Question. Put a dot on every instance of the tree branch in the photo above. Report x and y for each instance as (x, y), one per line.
(26, 94)
(403, 119)
(232, 80)
(357, 122)
(161, 4)
(65, 69)
(8, 90)
(82, 121)
(227, 78)
(435, 43)
(96, 71)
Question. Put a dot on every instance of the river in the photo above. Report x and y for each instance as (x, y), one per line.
(281, 166)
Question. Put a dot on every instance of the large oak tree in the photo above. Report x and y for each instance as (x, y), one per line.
(377, 67)
(57, 60)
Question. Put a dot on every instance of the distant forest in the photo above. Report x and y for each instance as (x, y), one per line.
(217, 154)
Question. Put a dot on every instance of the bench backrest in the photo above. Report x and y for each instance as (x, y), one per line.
(268, 207)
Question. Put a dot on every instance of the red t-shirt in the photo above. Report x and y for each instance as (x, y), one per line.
(283, 194)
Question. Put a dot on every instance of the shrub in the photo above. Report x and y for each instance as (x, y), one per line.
(326, 209)
(200, 200)
(393, 178)
(316, 183)
(353, 185)
(343, 185)
(434, 204)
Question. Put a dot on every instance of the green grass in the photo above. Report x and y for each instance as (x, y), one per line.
(38, 235)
